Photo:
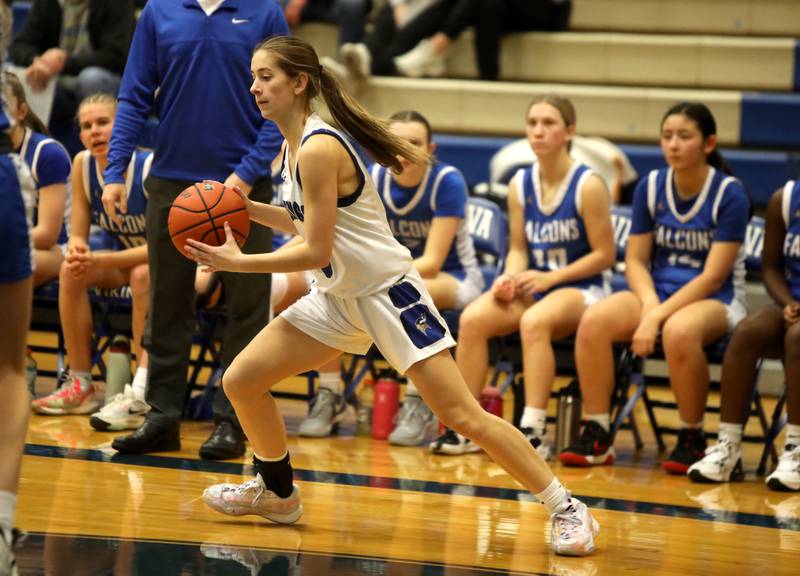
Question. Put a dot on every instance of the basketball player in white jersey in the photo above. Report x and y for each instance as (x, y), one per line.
(366, 290)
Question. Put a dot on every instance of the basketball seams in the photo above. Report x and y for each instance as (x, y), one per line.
(203, 220)
(210, 220)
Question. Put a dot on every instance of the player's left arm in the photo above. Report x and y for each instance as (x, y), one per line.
(596, 214)
(440, 239)
(127, 258)
(52, 205)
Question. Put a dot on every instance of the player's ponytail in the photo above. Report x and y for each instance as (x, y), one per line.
(295, 56)
(702, 116)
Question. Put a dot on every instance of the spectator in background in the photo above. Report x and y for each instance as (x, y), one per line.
(350, 15)
(491, 19)
(83, 42)
(399, 26)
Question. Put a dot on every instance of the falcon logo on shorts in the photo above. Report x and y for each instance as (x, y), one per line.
(422, 323)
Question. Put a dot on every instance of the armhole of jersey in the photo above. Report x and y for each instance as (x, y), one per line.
(85, 170)
(579, 190)
(718, 200)
(651, 193)
(350, 198)
(375, 173)
(519, 178)
(786, 201)
(435, 188)
(145, 173)
(35, 162)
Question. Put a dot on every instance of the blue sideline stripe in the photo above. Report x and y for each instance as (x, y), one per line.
(797, 66)
(770, 119)
(428, 487)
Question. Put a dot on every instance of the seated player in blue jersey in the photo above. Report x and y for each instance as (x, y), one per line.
(50, 166)
(426, 206)
(685, 268)
(123, 262)
(561, 248)
(772, 332)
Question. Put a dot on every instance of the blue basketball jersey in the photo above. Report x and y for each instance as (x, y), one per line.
(49, 163)
(791, 243)
(684, 230)
(410, 211)
(131, 232)
(556, 233)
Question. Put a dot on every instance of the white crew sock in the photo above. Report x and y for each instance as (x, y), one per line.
(535, 418)
(552, 496)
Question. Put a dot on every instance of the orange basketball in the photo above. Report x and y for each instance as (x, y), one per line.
(200, 213)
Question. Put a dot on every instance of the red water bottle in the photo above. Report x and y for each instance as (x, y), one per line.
(492, 401)
(387, 399)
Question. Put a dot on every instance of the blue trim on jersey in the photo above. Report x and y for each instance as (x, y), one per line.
(15, 235)
(556, 235)
(51, 165)
(131, 232)
(685, 230)
(791, 242)
(350, 198)
(411, 210)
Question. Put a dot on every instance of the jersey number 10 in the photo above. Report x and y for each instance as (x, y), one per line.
(556, 258)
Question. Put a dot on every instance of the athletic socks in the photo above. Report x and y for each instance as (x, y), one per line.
(331, 381)
(552, 496)
(534, 418)
(8, 504)
(731, 432)
(604, 420)
(276, 473)
(139, 384)
(792, 435)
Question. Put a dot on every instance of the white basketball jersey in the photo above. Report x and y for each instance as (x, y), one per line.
(366, 257)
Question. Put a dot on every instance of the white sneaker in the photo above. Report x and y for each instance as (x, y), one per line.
(420, 61)
(357, 59)
(722, 463)
(414, 420)
(328, 409)
(540, 444)
(786, 477)
(8, 564)
(123, 412)
(573, 529)
(252, 497)
(452, 443)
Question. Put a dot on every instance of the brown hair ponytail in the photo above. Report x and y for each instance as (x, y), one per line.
(294, 56)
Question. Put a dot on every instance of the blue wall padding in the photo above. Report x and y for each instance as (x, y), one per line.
(770, 120)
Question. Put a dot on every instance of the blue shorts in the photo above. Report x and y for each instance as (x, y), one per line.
(16, 255)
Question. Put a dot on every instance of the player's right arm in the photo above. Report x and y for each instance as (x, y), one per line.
(81, 217)
(275, 217)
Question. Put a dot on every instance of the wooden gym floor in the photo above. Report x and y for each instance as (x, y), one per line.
(379, 510)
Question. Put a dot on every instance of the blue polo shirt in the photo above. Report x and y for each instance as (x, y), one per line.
(209, 125)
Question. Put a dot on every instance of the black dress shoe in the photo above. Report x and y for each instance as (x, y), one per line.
(225, 442)
(152, 436)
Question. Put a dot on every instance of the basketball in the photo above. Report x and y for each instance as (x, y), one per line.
(200, 212)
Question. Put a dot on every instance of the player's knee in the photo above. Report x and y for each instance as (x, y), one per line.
(472, 323)
(791, 343)
(679, 339)
(140, 281)
(592, 331)
(534, 328)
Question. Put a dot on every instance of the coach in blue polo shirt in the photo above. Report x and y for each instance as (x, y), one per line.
(190, 64)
